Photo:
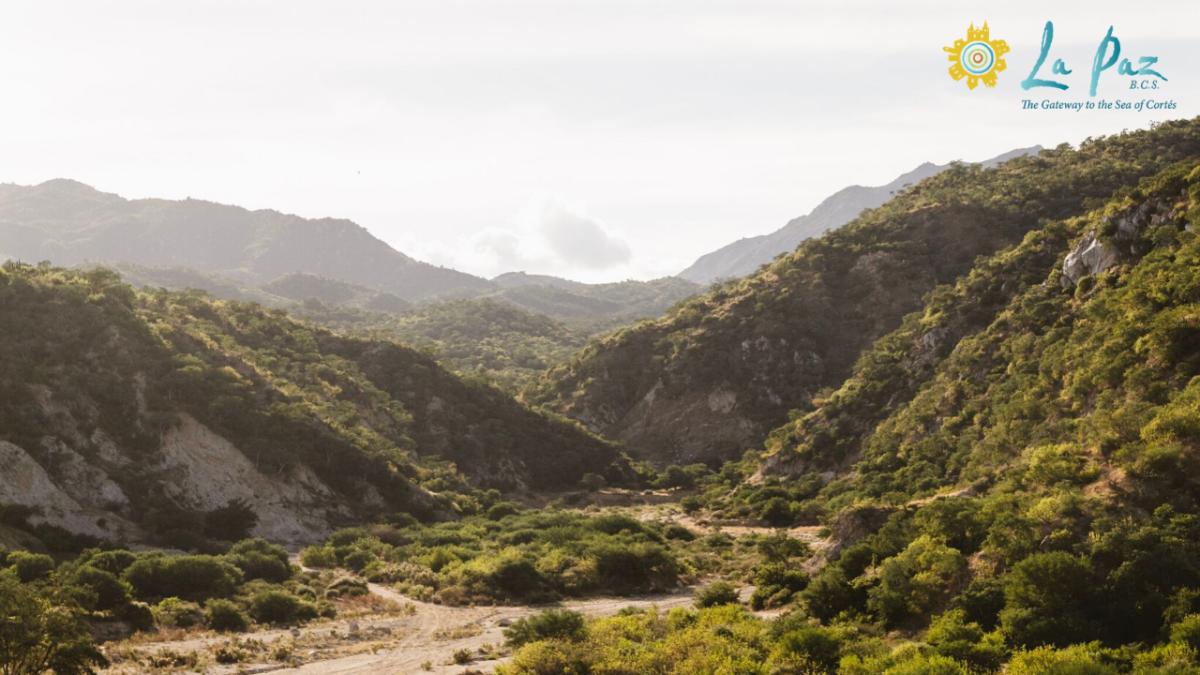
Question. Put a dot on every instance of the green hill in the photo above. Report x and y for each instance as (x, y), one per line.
(714, 376)
(126, 414)
(491, 338)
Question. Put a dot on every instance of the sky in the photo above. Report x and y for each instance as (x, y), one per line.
(595, 140)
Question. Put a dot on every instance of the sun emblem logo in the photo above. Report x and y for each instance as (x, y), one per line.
(977, 58)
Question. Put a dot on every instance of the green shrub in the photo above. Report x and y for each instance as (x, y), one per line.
(775, 584)
(503, 510)
(196, 578)
(114, 561)
(30, 567)
(953, 636)
(319, 557)
(776, 512)
(1046, 599)
(139, 615)
(552, 624)
(176, 613)
(516, 577)
(224, 616)
(813, 647)
(677, 532)
(258, 559)
(624, 566)
(718, 593)
(279, 607)
(110, 591)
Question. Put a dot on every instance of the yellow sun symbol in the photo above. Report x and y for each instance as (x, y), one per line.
(977, 58)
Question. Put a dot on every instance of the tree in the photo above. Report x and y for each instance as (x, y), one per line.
(40, 633)
(1046, 600)
(232, 522)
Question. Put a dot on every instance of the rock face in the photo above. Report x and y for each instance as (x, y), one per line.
(209, 472)
(199, 471)
(23, 481)
(1094, 254)
(1090, 257)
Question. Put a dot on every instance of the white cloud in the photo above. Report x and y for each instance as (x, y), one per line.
(549, 235)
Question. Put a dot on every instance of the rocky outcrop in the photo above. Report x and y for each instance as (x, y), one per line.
(208, 472)
(24, 481)
(1096, 254)
(1090, 257)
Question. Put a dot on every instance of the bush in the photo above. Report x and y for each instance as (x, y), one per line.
(953, 636)
(136, 614)
(776, 512)
(279, 607)
(503, 510)
(624, 566)
(30, 567)
(224, 616)
(719, 593)
(114, 562)
(516, 577)
(110, 591)
(258, 559)
(176, 613)
(775, 584)
(195, 577)
(319, 557)
(677, 532)
(552, 624)
(810, 646)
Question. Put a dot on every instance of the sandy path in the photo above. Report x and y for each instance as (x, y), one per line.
(419, 646)
(404, 643)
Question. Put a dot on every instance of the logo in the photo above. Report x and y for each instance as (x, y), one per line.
(977, 58)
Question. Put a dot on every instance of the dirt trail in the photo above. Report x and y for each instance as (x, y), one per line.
(420, 645)
(401, 645)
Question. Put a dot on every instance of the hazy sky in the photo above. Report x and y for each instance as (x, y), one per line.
(594, 140)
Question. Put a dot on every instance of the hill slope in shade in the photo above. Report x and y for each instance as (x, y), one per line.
(714, 376)
(68, 222)
(129, 414)
(744, 256)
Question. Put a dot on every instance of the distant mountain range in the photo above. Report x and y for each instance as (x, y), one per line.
(745, 256)
(278, 259)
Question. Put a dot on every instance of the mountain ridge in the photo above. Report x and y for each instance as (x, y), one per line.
(746, 255)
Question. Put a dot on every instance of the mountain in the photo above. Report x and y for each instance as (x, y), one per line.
(475, 336)
(67, 222)
(299, 286)
(129, 415)
(715, 375)
(182, 278)
(1084, 333)
(746, 255)
(519, 279)
(593, 308)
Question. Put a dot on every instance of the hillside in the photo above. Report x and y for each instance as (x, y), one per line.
(127, 414)
(67, 223)
(713, 377)
(594, 308)
(487, 337)
(299, 286)
(1022, 454)
(183, 278)
(746, 255)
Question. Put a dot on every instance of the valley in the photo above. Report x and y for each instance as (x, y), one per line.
(954, 433)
